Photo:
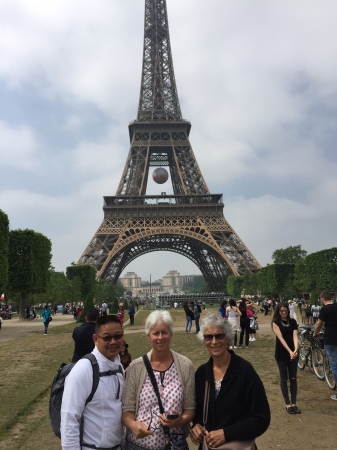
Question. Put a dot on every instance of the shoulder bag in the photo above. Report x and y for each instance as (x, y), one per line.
(161, 409)
(232, 445)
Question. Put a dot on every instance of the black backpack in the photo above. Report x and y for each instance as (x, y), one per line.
(57, 388)
(199, 308)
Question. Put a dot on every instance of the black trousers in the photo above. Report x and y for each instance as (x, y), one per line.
(288, 370)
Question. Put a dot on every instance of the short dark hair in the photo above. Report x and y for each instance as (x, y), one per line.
(92, 315)
(103, 320)
(326, 296)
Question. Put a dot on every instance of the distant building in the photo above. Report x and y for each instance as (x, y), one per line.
(171, 282)
(131, 280)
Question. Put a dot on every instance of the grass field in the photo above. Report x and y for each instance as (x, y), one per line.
(29, 364)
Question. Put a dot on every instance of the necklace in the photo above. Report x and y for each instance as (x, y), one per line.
(287, 324)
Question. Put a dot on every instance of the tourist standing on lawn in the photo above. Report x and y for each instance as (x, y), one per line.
(121, 315)
(244, 323)
(238, 408)
(328, 318)
(196, 313)
(147, 426)
(188, 314)
(286, 354)
(46, 318)
(101, 424)
(233, 312)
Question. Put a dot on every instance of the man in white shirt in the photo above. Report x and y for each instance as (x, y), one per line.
(102, 425)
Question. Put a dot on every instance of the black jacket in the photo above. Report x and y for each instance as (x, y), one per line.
(241, 408)
(84, 343)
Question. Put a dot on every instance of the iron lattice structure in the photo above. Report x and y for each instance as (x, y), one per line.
(190, 222)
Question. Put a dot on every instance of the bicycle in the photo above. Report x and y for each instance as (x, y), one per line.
(310, 351)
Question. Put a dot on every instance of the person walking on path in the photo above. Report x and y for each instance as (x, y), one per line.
(328, 318)
(286, 354)
(45, 315)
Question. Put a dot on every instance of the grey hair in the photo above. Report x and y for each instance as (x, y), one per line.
(158, 316)
(216, 319)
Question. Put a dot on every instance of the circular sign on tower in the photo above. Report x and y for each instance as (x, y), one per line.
(160, 175)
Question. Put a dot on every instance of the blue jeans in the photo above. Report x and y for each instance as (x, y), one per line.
(188, 324)
(197, 328)
(331, 353)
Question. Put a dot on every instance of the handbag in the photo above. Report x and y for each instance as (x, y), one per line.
(253, 324)
(161, 409)
(232, 445)
(49, 319)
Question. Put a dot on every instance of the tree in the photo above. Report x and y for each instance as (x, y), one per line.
(59, 290)
(196, 285)
(4, 248)
(322, 270)
(234, 286)
(280, 279)
(29, 262)
(87, 279)
(289, 255)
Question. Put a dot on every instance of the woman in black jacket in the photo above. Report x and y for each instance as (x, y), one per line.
(238, 406)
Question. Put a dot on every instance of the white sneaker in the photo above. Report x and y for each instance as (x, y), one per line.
(253, 339)
(250, 339)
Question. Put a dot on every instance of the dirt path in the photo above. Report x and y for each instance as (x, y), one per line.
(15, 328)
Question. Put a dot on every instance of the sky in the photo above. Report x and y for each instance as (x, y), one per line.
(256, 78)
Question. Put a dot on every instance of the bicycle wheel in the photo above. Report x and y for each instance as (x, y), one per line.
(302, 356)
(318, 362)
(328, 374)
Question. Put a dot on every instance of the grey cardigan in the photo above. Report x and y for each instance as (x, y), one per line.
(137, 372)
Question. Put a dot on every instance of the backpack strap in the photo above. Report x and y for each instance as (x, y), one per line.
(108, 373)
(95, 373)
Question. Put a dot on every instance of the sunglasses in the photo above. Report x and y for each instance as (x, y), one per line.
(108, 338)
(217, 337)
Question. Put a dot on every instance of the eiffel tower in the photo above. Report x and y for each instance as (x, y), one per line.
(189, 222)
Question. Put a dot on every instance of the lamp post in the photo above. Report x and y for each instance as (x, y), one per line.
(73, 299)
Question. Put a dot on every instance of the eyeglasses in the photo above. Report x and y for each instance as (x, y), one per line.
(217, 337)
(108, 338)
(155, 427)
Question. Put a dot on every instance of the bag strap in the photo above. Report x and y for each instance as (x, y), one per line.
(206, 402)
(156, 390)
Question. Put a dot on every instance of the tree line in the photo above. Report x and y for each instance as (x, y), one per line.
(292, 273)
(27, 276)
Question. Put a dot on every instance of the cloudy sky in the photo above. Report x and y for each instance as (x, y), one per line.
(256, 78)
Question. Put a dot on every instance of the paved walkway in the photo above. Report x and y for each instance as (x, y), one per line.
(15, 328)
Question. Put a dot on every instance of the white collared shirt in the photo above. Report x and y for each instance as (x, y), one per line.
(102, 416)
